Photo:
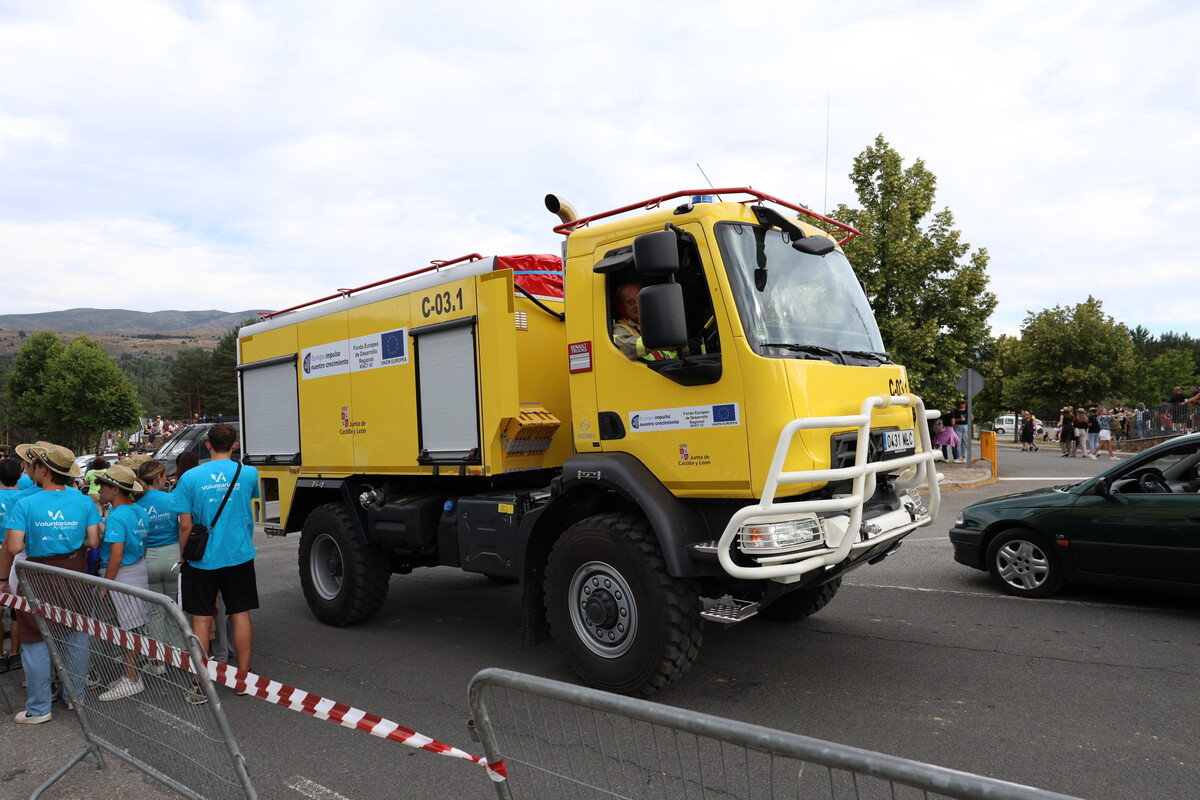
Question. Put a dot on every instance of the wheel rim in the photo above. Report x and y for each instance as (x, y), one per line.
(1022, 564)
(325, 566)
(603, 611)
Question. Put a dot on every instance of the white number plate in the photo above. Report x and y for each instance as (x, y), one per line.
(899, 440)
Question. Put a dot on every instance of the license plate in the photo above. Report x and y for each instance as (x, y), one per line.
(899, 440)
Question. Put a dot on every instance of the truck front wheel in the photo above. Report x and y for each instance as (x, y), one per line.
(345, 581)
(623, 623)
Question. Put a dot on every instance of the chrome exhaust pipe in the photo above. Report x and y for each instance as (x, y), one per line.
(564, 210)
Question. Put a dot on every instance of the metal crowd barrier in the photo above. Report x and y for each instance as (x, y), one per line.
(559, 740)
(101, 633)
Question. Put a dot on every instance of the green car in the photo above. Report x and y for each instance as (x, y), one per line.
(1135, 525)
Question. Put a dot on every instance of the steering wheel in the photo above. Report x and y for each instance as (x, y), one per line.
(1153, 482)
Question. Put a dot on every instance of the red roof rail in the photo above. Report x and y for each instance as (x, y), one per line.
(433, 267)
(649, 205)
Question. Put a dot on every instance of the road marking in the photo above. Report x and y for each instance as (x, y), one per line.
(1075, 478)
(313, 790)
(998, 595)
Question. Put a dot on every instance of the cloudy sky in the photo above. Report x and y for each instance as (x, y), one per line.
(232, 155)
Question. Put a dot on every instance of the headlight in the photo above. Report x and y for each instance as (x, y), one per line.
(959, 520)
(775, 537)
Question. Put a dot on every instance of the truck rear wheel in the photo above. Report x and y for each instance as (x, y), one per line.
(801, 603)
(345, 581)
(623, 623)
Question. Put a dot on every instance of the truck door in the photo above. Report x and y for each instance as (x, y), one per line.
(693, 437)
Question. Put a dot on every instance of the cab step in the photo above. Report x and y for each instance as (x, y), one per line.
(728, 610)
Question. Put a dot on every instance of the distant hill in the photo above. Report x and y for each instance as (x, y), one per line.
(125, 334)
(116, 320)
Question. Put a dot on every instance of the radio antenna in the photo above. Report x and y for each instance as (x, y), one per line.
(710, 183)
(825, 208)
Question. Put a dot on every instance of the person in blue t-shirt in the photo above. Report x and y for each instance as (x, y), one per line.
(122, 559)
(227, 568)
(52, 527)
(162, 543)
(10, 473)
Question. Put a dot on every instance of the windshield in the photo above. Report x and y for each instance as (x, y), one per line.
(812, 303)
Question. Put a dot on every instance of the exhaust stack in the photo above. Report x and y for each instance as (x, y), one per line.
(564, 210)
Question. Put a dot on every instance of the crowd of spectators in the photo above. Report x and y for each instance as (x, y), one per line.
(118, 521)
(1178, 412)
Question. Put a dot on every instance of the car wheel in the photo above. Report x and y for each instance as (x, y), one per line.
(801, 603)
(1020, 562)
(623, 623)
(344, 581)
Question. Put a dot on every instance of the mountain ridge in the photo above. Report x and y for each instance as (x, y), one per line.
(118, 320)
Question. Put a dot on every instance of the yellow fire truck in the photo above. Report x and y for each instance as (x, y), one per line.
(479, 414)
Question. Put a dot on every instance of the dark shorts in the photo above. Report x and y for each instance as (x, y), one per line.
(236, 585)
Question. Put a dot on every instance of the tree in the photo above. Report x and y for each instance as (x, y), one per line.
(1151, 380)
(223, 394)
(28, 376)
(152, 377)
(189, 383)
(1076, 355)
(928, 291)
(69, 394)
(86, 394)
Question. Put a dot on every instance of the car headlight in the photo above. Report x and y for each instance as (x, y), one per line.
(775, 537)
(959, 520)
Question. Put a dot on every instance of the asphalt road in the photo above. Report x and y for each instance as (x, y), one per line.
(1091, 693)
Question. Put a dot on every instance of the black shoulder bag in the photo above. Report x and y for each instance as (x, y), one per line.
(197, 541)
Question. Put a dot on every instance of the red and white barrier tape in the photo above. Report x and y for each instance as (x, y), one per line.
(256, 685)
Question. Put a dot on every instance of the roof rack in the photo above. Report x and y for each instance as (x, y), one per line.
(567, 228)
(433, 267)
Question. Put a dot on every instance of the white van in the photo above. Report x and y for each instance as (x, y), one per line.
(1009, 423)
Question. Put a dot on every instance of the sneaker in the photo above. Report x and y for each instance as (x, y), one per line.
(1092, 456)
(25, 718)
(92, 682)
(195, 695)
(123, 687)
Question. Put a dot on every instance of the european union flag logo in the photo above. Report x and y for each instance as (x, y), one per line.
(395, 344)
(726, 412)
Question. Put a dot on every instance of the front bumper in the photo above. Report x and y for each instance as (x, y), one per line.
(968, 547)
(847, 536)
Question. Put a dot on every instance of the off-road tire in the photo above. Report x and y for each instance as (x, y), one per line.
(344, 581)
(801, 603)
(613, 562)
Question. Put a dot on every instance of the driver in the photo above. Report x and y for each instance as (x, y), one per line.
(627, 331)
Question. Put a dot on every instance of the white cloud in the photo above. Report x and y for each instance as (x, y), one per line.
(261, 153)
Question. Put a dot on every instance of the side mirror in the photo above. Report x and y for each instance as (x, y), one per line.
(661, 313)
(656, 253)
(814, 245)
(1103, 488)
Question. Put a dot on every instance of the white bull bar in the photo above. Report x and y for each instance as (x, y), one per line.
(790, 566)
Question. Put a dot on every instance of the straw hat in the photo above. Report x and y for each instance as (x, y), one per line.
(135, 461)
(55, 458)
(23, 450)
(122, 477)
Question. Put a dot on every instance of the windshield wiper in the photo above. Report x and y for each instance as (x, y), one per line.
(811, 349)
(882, 358)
